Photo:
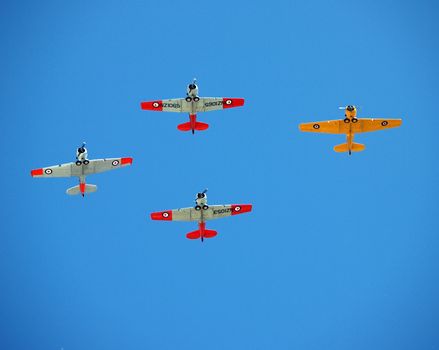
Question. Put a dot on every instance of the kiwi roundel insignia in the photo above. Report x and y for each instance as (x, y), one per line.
(384, 123)
(155, 104)
(238, 208)
(48, 171)
(115, 162)
(316, 126)
(228, 102)
(165, 214)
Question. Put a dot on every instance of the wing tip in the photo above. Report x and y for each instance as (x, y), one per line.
(162, 215)
(241, 208)
(36, 172)
(126, 161)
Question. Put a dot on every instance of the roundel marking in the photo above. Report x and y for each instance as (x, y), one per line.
(155, 104)
(384, 123)
(48, 171)
(165, 215)
(228, 102)
(238, 208)
(115, 162)
(316, 126)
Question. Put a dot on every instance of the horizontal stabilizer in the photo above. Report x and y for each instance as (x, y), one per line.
(344, 147)
(197, 234)
(187, 126)
(210, 233)
(77, 190)
(194, 235)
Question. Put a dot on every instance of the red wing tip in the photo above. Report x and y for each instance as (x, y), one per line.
(241, 208)
(240, 102)
(127, 160)
(162, 215)
(36, 172)
(152, 105)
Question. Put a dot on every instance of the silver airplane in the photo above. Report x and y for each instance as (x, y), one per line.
(201, 212)
(192, 104)
(81, 168)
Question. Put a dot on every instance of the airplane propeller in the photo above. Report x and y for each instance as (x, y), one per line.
(344, 107)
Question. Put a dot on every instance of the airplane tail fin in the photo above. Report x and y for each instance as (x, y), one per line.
(344, 147)
(197, 234)
(188, 126)
(77, 190)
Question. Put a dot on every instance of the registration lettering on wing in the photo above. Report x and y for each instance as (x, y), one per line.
(222, 211)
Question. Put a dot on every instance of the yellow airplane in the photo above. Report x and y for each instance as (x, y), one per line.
(350, 126)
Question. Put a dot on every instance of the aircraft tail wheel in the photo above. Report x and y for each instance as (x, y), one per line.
(78, 162)
(205, 207)
(354, 120)
(197, 207)
(188, 99)
(346, 120)
(196, 98)
(86, 162)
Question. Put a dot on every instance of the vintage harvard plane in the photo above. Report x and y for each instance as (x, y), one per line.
(81, 168)
(201, 213)
(350, 126)
(192, 104)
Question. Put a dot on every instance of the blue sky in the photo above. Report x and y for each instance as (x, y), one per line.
(339, 252)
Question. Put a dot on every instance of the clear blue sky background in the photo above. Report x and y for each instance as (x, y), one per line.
(339, 253)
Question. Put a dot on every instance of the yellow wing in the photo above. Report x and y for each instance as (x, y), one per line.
(370, 124)
(328, 127)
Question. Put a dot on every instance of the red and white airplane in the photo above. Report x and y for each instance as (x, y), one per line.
(81, 168)
(201, 213)
(192, 104)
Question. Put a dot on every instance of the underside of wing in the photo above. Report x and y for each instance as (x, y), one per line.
(207, 104)
(61, 170)
(171, 105)
(183, 214)
(100, 165)
(222, 211)
(328, 127)
(372, 124)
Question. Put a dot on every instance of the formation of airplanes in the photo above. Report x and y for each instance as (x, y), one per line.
(193, 104)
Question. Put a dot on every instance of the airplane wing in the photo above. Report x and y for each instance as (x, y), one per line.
(71, 169)
(327, 126)
(207, 104)
(222, 211)
(340, 127)
(100, 165)
(371, 124)
(183, 214)
(190, 214)
(170, 105)
(61, 170)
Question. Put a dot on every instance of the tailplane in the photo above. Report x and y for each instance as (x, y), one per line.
(77, 189)
(344, 147)
(197, 234)
(188, 126)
